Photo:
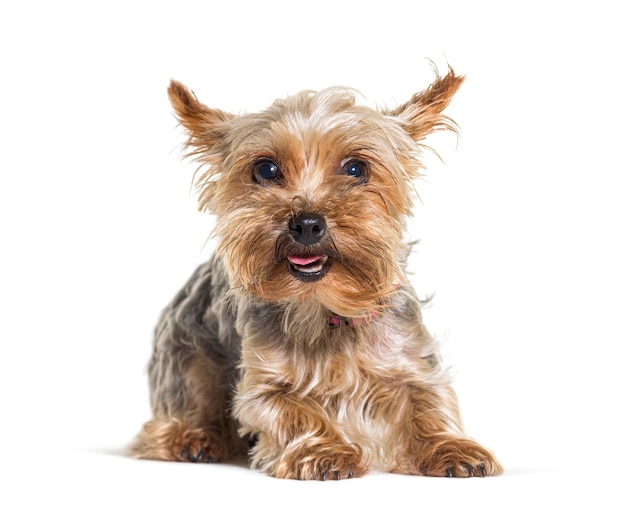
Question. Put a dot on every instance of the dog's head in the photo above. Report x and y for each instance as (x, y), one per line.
(312, 194)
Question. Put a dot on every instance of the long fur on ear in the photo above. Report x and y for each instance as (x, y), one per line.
(423, 112)
(204, 125)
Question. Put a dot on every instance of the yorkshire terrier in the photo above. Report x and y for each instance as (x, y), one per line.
(300, 343)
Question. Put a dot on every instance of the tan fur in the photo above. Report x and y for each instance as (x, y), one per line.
(301, 341)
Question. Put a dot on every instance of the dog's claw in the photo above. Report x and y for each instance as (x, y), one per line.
(471, 471)
(201, 456)
(335, 474)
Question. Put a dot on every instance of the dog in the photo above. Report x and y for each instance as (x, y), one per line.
(300, 343)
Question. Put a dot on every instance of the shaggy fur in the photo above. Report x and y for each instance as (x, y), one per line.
(300, 342)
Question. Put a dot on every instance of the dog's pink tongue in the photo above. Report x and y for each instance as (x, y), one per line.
(303, 261)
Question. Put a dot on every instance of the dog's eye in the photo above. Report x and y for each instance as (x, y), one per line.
(356, 169)
(266, 171)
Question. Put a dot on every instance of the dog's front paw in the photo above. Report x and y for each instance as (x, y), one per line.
(335, 462)
(452, 457)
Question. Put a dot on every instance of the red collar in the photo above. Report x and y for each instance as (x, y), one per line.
(337, 321)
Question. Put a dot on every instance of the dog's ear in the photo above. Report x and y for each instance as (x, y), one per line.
(422, 114)
(204, 125)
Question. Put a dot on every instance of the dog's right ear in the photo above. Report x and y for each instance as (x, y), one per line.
(204, 125)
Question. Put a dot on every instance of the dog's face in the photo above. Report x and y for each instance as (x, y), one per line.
(311, 195)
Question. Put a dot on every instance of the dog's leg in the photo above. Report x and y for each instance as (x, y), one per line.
(191, 414)
(192, 375)
(299, 442)
(296, 436)
(432, 440)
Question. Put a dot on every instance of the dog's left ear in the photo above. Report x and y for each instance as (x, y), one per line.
(423, 113)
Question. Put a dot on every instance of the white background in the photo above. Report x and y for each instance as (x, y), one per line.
(522, 239)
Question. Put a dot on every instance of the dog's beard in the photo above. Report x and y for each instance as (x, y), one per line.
(351, 278)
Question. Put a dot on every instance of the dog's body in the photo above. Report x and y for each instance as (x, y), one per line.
(300, 342)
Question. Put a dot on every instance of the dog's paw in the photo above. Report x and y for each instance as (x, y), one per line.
(176, 441)
(452, 457)
(324, 463)
(199, 447)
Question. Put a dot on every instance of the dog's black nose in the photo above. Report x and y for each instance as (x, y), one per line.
(307, 229)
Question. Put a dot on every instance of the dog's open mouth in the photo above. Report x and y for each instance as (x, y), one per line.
(308, 268)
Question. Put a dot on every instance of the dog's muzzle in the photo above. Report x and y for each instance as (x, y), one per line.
(307, 229)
